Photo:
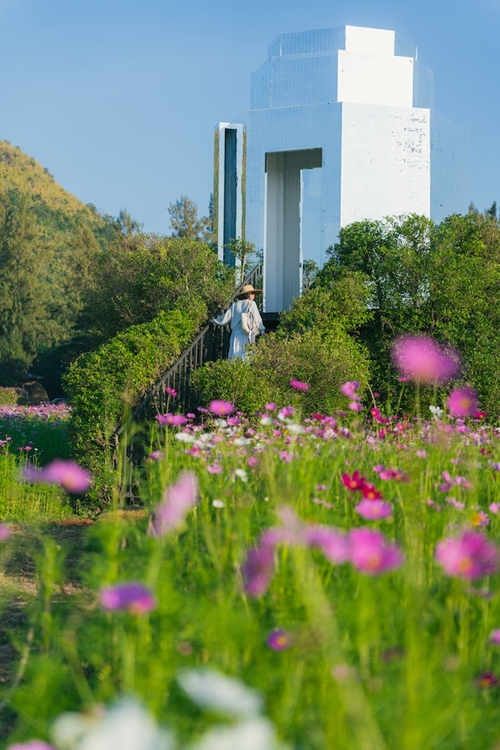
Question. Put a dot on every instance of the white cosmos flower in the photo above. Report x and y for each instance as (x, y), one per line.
(127, 725)
(241, 474)
(254, 734)
(184, 437)
(217, 503)
(239, 441)
(296, 428)
(213, 690)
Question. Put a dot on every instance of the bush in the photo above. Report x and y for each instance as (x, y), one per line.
(232, 380)
(103, 384)
(11, 396)
(323, 359)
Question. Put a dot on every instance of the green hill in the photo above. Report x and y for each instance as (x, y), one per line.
(48, 242)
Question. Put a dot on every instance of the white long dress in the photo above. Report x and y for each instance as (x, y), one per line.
(238, 336)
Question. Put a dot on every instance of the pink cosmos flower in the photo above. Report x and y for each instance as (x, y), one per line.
(334, 544)
(422, 359)
(372, 510)
(349, 389)
(271, 406)
(178, 500)
(494, 637)
(173, 420)
(133, 597)
(372, 554)
(285, 456)
(5, 532)
(370, 492)
(299, 385)
(355, 406)
(171, 391)
(377, 416)
(68, 474)
(354, 482)
(252, 461)
(221, 408)
(214, 468)
(462, 402)
(494, 508)
(279, 640)
(468, 556)
(156, 455)
(258, 570)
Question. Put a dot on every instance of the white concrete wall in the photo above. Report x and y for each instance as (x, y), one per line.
(385, 162)
(371, 79)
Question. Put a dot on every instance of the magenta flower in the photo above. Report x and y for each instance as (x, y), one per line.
(373, 510)
(494, 638)
(172, 420)
(221, 408)
(133, 597)
(5, 532)
(178, 500)
(486, 680)
(354, 482)
(258, 570)
(372, 554)
(271, 406)
(68, 474)
(279, 640)
(171, 391)
(462, 402)
(299, 385)
(355, 406)
(422, 359)
(333, 544)
(349, 389)
(469, 556)
(31, 745)
(214, 468)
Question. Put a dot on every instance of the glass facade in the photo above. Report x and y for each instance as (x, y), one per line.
(341, 128)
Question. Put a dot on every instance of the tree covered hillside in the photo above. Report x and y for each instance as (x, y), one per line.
(48, 239)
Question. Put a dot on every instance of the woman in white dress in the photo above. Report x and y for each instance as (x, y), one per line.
(245, 303)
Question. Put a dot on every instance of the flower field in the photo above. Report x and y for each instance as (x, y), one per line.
(318, 583)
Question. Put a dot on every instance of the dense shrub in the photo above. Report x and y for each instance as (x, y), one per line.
(323, 359)
(103, 384)
(442, 280)
(11, 396)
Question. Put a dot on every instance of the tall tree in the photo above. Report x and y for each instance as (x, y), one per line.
(24, 294)
(185, 221)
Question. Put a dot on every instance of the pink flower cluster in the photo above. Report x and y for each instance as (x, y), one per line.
(366, 549)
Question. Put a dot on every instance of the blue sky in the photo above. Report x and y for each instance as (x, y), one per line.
(119, 98)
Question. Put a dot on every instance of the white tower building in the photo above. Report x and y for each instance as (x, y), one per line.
(341, 128)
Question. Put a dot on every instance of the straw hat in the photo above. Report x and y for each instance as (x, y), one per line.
(248, 289)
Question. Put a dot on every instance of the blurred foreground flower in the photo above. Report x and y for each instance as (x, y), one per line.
(221, 408)
(212, 690)
(68, 474)
(372, 510)
(126, 725)
(279, 640)
(257, 733)
(178, 500)
(468, 556)
(133, 596)
(349, 389)
(422, 359)
(299, 385)
(5, 532)
(462, 402)
(372, 554)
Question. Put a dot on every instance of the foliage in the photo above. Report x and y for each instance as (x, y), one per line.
(104, 384)
(140, 276)
(442, 280)
(323, 359)
(47, 241)
(185, 222)
(10, 396)
(232, 380)
(242, 251)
